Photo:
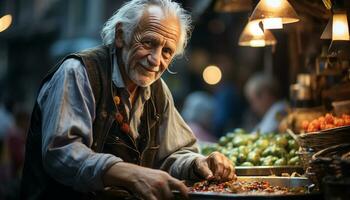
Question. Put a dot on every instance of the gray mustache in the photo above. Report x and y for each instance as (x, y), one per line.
(144, 62)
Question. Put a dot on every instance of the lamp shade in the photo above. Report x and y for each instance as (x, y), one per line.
(327, 32)
(274, 13)
(337, 27)
(340, 27)
(254, 36)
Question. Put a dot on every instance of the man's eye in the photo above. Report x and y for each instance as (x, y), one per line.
(168, 52)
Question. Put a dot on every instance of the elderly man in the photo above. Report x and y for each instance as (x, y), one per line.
(104, 118)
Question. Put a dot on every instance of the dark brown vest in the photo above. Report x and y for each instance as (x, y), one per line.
(37, 184)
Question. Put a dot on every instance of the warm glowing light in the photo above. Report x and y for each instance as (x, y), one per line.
(274, 3)
(272, 23)
(340, 28)
(257, 43)
(5, 22)
(254, 36)
(212, 74)
(255, 29)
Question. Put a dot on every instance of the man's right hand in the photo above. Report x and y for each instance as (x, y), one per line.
(149, 184)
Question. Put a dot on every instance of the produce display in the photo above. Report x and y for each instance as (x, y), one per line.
(326, 122)
(244, 187)
(255, 149)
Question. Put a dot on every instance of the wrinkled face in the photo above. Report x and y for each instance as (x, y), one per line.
(152, 47)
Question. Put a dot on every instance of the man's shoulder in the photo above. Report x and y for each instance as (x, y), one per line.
(160, 87)
(71, 65)
(161, 94)
(99, 51)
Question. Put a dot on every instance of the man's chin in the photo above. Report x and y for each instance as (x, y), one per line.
(143, 83)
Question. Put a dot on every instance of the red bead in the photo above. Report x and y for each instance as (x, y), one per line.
(125, 128)
(119, 118)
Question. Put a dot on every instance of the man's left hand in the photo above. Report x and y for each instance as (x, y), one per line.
(215, 167)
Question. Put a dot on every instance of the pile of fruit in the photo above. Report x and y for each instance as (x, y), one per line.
(325, 122)
(254, 149)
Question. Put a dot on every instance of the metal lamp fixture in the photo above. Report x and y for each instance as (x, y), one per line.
(337, 27)
(254, 36)
(274, 13)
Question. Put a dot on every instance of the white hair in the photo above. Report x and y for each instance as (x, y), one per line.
(131, 12)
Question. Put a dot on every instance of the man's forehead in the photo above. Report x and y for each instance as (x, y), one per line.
(153, 13)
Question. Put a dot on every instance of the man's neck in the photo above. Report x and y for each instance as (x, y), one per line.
(129, 84)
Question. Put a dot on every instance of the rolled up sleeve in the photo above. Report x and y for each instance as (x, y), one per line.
(178, 147)
(68, 110)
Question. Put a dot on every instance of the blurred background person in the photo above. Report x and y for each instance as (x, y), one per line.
(198, 112)
(264, 96)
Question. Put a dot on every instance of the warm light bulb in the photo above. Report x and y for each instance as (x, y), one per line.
(340, 28)
(255, 29)
(272, 23)
(274, 3)
(257, 43)
(5, 22)
(212, 74)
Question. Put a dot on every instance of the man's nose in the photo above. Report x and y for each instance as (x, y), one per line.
(154, 57)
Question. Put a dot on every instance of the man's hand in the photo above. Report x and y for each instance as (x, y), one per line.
(149, 184)
(216, 166)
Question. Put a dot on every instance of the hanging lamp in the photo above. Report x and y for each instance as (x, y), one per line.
(274, 13)
(337, 28)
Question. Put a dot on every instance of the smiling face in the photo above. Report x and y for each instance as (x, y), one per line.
(152, 47)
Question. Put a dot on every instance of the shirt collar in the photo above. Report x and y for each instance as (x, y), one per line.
(118, 81)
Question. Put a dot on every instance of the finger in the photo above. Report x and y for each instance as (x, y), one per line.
(180, 186)
(217, 166)
(231, 175)
(230, 168)
(203, 169)
(226, 171)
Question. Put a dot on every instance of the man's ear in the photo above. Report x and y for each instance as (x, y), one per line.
(119, 36)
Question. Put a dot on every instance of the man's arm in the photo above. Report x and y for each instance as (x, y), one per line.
(178, 147)
(68, 110)
(179, 151)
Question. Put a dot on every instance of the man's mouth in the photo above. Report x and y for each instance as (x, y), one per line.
(153, 69)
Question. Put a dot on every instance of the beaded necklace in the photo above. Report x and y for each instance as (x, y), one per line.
(120, 114)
